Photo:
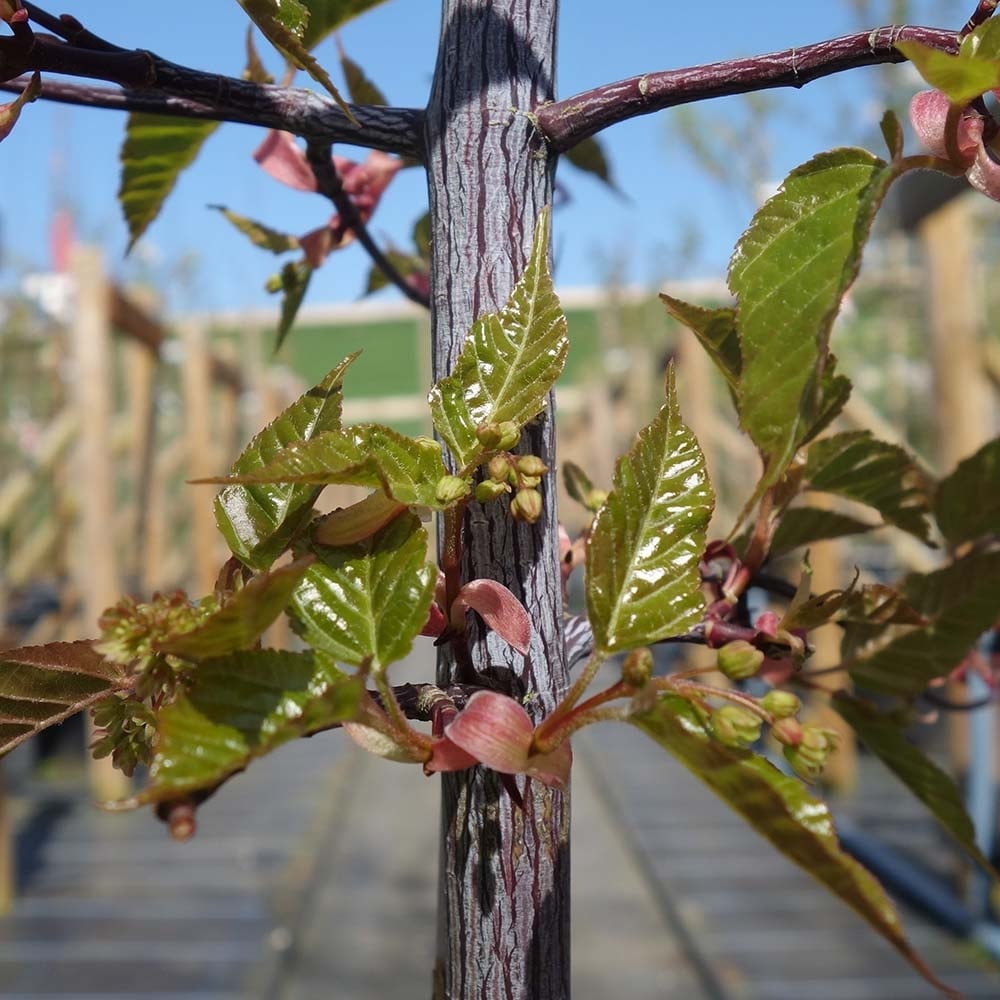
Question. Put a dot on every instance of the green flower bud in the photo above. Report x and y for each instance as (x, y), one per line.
(510, 434)
(451, 488)
(810, 756)
(489, 435)
(781, 704)
(787, 731)
(489, 490)
(595, 500)
(526, 506)
(530, 482)
(498, 467)
(531, 465)
(739, 660)
(637, 668)
(735, 726)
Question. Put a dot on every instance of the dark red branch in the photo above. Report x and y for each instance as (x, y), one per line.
(567, 122)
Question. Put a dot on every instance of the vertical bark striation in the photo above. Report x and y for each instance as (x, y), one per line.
(504, 906)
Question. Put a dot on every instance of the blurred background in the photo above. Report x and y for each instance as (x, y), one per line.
(123, 377)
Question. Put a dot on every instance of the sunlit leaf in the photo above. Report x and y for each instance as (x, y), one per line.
(834, 392)
(782, 810)
(360, 89)
(509, 362)
(156, 149)
(964, 75)
(258, 520)
(716, 331)
(260, 235)
(325, 16)
(241, 707)
(243, 619)
(369, 600)
(643, 553)
(967, 503)
(790, 271)
(858, 466)
(41, 686)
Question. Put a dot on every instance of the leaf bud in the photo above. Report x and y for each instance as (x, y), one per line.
(787, 731)
(739, 660)
(510, 434)
(735, 726)
(531, 465)
(450, 489)
(489, 490)
(489, 435)
(595, 500)
(637, 668)
(781, 704)
(526, 506)
(809, 758)
(498, 467)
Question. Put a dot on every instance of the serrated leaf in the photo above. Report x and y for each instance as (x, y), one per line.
(589, 156)
(260, 235)
(782, 810)
(967, 502)
(960, 602)
(258, 520)
(360, 89)
(255, 71)
(351, 524)
(805, 525)
(642, 557)
(509, 362)
(241, 707)
(325, 16)
(834, 392)
(883, 476)
(962, 76)
(892, 133)
(885, 738)
(293, 283)
(284, 23)
(790, 271)
(156, 149)
(41, 686)
(368, 601)
(578, 483)
(240, 622)
(716, 331)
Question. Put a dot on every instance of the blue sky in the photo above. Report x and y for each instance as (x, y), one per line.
(643, 237)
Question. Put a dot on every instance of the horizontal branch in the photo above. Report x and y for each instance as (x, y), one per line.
(565, 123)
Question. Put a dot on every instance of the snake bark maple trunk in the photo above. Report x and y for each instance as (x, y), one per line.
(503, 929)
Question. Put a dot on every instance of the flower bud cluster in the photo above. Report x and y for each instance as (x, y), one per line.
(508, 473)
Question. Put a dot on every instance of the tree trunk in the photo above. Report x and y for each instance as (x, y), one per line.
(504, 881)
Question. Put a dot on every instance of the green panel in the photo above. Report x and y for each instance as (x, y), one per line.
(584, 356)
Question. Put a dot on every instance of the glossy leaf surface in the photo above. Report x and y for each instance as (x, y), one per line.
(782, 810)
(967, 503)
(41, 686)
(156, 149)
(509, 362)
(368, 600)
(258, 520)
(716, 331)
(642, 557)
(241, 707)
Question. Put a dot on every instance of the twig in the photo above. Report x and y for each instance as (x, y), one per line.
(320, 156)
(567, 122)
(983, 12)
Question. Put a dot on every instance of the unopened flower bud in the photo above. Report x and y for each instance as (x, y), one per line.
(531, 465)
(787, 731)
(735, 726)
(809, 758)
(739, 660)
(510, 434)
(530, 482)
(489, 490)
(781, 704)
(637, 668)
(595, 500)
(498, 468)
(489, 435)
(526, 506)
(451, 488)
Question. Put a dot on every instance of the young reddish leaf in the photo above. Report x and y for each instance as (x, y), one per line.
(41, 686)
(282, 158)
(10, 112)
(500, 609)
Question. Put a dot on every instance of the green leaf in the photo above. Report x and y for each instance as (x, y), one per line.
(284, 24)
(156, 149)
(406, 264)
(255, 71)
(422, 235)
(642, 558)
(892, 132)
(716, 331)
(884, 476)
(509, 362)
(239, 623)
(589, 156)
(360, 89)
(782, 810)
(967, 503)
(834, 392)
(259, 520)
(325, 16)
(41, 686)
(884, 737)
(259, 234)
(960, 602)
(409, 468)
(292, 282)
(367, 601)
(962, 76)
(805, 525)
(241, 707)
(790, 271)
(10, 113)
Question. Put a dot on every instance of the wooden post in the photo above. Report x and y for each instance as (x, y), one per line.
(141, 366)
(8, 869)
(95, 564)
